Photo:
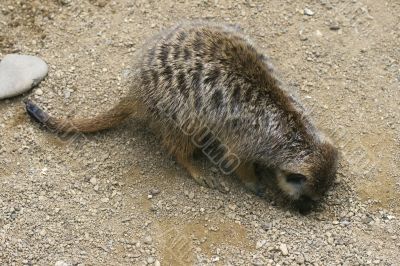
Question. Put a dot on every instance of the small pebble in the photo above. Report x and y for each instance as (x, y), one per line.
(148, 240)
(260, 243)
(308, 12)
(191, 195)
(105, 200)
(215, 259)
(135, 255)
(266, 226)
(61, 263)
(283, 248)
(318, 33)
(154, 191)
(39, 92)
(93, 181)
(258, 262)
(150, 260)
(334, 25)
(67, 94)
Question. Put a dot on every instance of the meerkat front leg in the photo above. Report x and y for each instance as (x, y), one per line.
(246, 173)
(182, 148)
(195, 172)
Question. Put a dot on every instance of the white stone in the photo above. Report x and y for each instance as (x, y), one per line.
(148, 240)
(260, 243)
(150, 260)
(20, 73)
(93, 181)
(284, 249)
(308, 12)
(61, 263)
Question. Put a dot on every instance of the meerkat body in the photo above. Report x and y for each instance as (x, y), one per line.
(209, 77)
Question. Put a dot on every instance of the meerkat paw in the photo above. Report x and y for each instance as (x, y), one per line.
(196, 174)
(205, 181)
(257, 188)
(247, 174)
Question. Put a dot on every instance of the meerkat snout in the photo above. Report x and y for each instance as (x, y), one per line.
(294, 185)
(309, 177)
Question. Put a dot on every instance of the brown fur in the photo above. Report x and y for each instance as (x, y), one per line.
(213, 75)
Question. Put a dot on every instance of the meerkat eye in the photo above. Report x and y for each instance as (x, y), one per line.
(296, 179)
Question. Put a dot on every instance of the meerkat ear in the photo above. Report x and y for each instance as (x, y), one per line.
(296, 179)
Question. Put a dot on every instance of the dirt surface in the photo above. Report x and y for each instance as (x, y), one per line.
(85, 200)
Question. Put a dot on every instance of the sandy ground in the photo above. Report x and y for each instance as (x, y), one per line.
(85, 200)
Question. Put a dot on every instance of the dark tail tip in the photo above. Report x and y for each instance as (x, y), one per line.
(35, 112)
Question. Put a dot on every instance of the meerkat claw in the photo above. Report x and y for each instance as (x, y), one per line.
(205, 182)
(211, 182)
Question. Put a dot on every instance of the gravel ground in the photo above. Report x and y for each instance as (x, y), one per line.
(116, 197)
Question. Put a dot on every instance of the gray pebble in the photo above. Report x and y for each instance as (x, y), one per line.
(150, 260)
(148, 240)
(258, 262)
(136, 254)
(93, 181)
(260, 243)
(61, 263)
(191, 195)
(266, 226)
(334, 25)
(308, 12)
(283, 248)
(154, 191)
(67, 94)
(20, 73)
(39, 92)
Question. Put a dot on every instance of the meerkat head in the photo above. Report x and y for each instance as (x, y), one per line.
(306, 180)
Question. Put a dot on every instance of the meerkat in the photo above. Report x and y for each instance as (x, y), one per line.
(203, 76)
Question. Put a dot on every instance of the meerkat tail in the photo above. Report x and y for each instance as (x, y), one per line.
(109, 119)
